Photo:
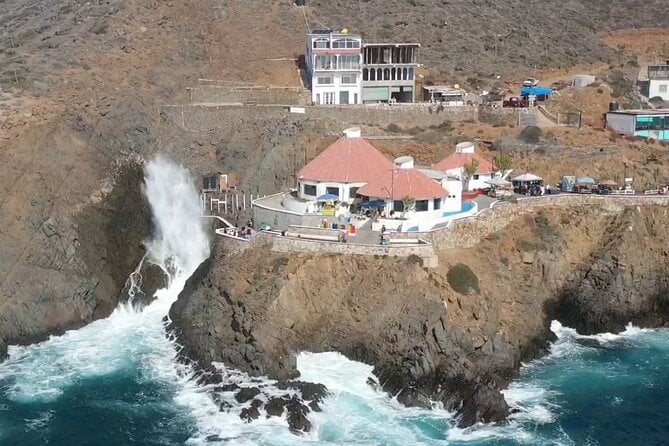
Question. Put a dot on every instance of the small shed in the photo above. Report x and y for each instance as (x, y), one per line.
(219, 182)
(582, 80)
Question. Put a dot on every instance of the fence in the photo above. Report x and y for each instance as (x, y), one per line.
(227, 202)
(569, 119)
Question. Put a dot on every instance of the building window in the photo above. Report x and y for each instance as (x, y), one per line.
(349, 79)
(476, 177)
(310, 189)
(325, 80)
(328, 98)
(346, 43)
(325, 63)
(321, 43)
(398, 206)
(349, 62)
(332, 190)
(663, 88)
(365, 74)
(421, 205)
(437, 204)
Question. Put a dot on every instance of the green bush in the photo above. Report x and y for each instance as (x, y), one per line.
(531, 135)
(462, 279)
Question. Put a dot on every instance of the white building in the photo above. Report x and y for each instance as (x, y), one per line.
(342, 168)
(454, 164)
(334, 67)
(658, 81)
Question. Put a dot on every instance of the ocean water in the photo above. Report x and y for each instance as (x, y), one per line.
(116, 381)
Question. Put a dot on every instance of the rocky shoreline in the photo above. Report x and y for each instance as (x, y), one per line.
(595, 269)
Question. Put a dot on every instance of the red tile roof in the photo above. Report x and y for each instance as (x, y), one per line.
(456, 160)
(347, 160)
(408, 183)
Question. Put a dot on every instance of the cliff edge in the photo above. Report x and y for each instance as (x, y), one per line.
(455, 334)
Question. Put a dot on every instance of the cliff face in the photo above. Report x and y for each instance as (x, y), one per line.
(255, 309)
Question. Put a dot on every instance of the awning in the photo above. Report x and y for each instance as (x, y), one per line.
(585, 180)
(498, 182)
(608, 183)
(527, 177)
(328, 197)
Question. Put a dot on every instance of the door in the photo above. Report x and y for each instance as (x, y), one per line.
(343, 97)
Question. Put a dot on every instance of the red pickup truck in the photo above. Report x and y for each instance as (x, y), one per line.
(515, 102)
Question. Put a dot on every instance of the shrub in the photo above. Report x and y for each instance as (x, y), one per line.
(462, 279)
(393, 128)
(531, 135)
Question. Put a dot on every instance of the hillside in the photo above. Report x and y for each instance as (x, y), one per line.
(80, 86)
(460, 37)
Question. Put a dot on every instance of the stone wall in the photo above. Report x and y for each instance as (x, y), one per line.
(289, 244)
(206, 118)
(498, 116)
(217, 94)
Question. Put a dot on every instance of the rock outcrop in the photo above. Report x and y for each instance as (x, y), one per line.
(255, 309)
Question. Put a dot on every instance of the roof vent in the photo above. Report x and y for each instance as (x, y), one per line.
(464, 147)
(404, 162)
(353, 132)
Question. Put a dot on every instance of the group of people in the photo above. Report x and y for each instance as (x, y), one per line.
(245, 232)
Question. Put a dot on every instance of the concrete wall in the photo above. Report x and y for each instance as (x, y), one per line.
(287, 244)
(283, 219)
(206, 118)
(621, 123)
(498, 116)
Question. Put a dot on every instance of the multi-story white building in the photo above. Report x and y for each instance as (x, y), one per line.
(334, 67)
(658, 81)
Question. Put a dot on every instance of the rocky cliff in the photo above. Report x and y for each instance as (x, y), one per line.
(455, 334)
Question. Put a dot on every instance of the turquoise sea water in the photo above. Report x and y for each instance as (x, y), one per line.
(591, 390)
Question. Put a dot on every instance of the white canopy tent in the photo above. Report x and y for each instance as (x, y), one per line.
(498, 182)
(527, 177)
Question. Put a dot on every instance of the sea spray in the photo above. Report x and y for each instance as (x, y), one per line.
(130, 343)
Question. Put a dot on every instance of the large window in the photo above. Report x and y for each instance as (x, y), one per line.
(422, 205)
(398, 206)
(349, 62)
(321, 43)
(325, 80)
(349, 79)
(346, 43)
(328, 98)
(332, 190)
(652, 122)
(310, 189)
(325, 62)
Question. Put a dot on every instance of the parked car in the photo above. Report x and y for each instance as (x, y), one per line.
(530, 82)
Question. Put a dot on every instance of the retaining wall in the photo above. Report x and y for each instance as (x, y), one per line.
(206, 118)
(218, 94)
(278, 219)
(287, 244)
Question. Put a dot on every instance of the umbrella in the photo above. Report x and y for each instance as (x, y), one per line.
(585, 180)
(527, 177)
(328, 197)
(498, 182)
(608, 183)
